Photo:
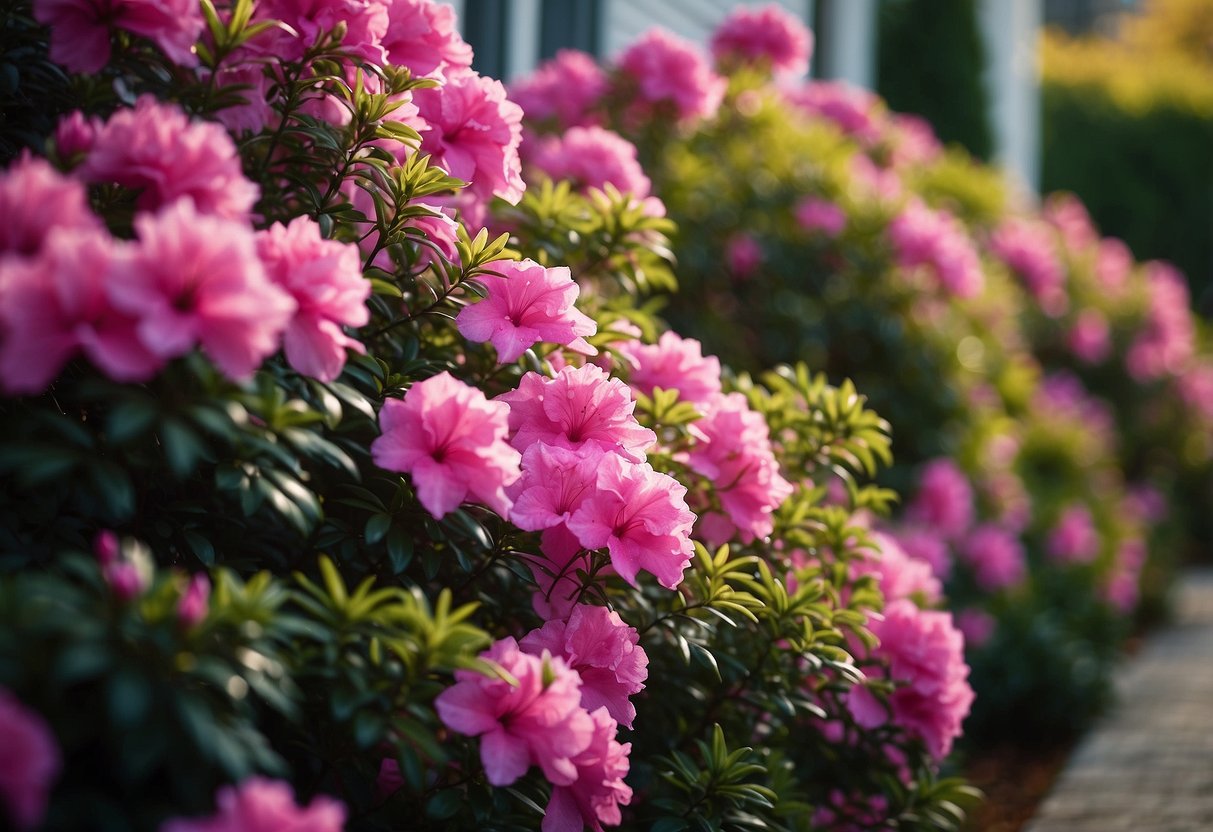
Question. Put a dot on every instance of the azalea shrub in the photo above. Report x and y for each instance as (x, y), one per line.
(1048, 392)
(350, 481)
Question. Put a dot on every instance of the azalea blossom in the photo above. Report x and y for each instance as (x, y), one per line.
(580, 406)
(1027, 249)
(898, 574)
(604, 651)
(590, 157)
(673, 363)
(259, 804)
(640, 517)
(996, 557)
(535, 720)
(196, 279)
(364, 22)
(1090, 338)
(815, 214)
(565, 90)
(594, 798)
(855, 111)
(156, 149)
(525, 304)
(669, 72)
(325, 279)
(35, 199)
(767, 35)
(944, 502)
(194, 604)
(451, 440)
(29, 763)
(1074, 539)
(922, 236)
(80, 29)
(423, 35)
(555, 482)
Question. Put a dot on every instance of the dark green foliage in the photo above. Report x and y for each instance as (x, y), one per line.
(932, 63)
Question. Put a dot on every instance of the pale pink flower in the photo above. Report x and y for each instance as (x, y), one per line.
(256, 108)
(74, 137)
(816, 214)
(1026, 247)
(1123, 583)
(524, 304)
(35, 199)
(194, 603)
(669, 72)
(424, 36)
(565, 89)
(1090, 338)
(537, 720)
(1074, 539)
(743, 254)
(474, 135)
(1113, 264)
(996, 557)
(872, 182)
(673, 363)
(29, 762)
(924, 653)
(55, 306)
(855, 111)
(1167, 338)
(914, 141)
(767, 36)
(325, 279)
(944, 502)
(554, 483)
(1066, 213)
(194, 279)
(589, 157)
(261, 805)
(642, 519)
(898, 574)
(924, 237)
(80, 29)
(580, 406)
(452, 440)
(734, 452)
(604, 651)
(365, 23)
(594, 798)
(157, 150)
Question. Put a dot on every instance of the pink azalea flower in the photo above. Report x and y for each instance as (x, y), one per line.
(914, 141)
(1195, 389)
(80, 29)
(604, 651)
(261, 805)
(767, 36)
(1113, 264)
(923, 237)
(923, 544)
(977, 626)
(1167, 338)
(855, 111)
(1069, 216)
(1074, 539)
(996, 557)
(451, 439)
(594, 798)
(925, 656)
(35, 199)
(735, 454)
(944, 502)
(29, 762)
(1122, 589)
(55, 306)
(669, 72)
(474, 135)
(1090, 338)
(525, 304)
(424, 36)
(673, 363)
(158, 150)
(744, 255)
(75, 135)
(325, 279)
(193, 606)
(816, 214)
(580, 406)
(590, 157)
(1026, 247)
(554, 483)
(898, 574)
(365, 23)
(538, 720)
(196, 279)
(565, 89)
(256, 95)
(642, 519)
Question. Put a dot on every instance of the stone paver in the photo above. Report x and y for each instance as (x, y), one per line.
(1148, 765)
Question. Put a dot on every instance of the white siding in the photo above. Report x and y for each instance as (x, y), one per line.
(1010, 32)
(625, 20)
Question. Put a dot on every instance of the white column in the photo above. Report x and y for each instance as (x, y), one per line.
(522, 51)
(1010, 29)
(850, 31)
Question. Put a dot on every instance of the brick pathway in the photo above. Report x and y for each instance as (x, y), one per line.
(1148, 765)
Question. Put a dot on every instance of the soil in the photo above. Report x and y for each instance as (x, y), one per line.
(1015, 780)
